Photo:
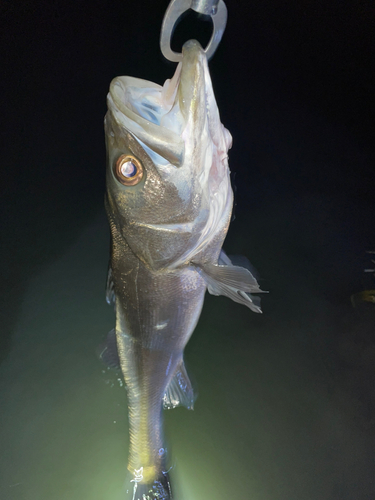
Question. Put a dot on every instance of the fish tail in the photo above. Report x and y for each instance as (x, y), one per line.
(158, 489)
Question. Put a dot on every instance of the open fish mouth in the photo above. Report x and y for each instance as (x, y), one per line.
(168, 119)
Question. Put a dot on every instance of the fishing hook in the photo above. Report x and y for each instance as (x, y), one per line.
(216, 9)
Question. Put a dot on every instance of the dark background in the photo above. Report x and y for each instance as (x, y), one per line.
(294, 82)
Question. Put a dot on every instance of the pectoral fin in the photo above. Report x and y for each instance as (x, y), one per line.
(237, 260)
(180, 391)
(234, 282)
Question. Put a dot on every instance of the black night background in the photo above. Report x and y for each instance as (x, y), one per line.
(286, 400)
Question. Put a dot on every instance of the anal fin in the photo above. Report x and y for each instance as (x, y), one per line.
(180, 391)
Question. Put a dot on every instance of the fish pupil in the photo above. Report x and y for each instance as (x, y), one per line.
(128, 169)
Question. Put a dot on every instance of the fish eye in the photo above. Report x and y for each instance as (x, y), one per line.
(128, 170)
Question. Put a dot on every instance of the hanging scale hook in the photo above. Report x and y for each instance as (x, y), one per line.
(214, 8)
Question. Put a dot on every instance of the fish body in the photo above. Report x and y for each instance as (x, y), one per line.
(169, 203)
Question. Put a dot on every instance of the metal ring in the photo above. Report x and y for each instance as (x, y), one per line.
(175, 9)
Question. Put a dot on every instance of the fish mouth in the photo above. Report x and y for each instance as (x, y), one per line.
(165, 120)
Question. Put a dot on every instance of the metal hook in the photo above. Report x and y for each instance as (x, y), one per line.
(214, 8)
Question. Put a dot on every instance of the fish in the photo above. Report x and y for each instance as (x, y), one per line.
(169, 204)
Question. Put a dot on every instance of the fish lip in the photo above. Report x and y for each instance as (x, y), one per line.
(191, 84)
(193, 59)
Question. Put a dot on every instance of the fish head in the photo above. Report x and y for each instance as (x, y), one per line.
(168, 188)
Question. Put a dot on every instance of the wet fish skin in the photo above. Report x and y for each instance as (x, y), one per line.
(156, 312)
(166, 237)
